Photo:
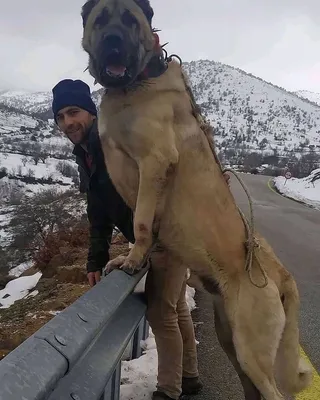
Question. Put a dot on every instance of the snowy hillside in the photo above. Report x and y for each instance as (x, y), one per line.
(249, 116)
(33, 157)
(26, 101)
(12, 121)
(38, 103)
(251, 113)
(247, 112)
(312, 96)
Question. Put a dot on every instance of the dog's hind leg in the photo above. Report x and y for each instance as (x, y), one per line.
(224, 334)
(257, 321)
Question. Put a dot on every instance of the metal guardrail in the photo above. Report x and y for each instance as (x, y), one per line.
(77, 355)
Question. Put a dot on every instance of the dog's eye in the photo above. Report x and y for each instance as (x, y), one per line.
(103, 18)
(128, 19)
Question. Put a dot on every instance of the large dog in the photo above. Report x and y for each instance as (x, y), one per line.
(162, 164)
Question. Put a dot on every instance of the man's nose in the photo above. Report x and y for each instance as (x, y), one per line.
(68, 121)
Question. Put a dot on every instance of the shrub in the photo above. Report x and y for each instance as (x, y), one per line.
(69, 239)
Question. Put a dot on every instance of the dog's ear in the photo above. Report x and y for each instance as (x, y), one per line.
(146, 8)
(86, 10)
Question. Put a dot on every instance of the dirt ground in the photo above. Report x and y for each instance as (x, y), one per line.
(55, 293)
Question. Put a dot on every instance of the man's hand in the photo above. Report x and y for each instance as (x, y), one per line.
(94, 278)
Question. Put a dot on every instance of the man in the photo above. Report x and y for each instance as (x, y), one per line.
(167, 313)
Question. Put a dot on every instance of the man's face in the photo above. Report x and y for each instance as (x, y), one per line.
(75, 123)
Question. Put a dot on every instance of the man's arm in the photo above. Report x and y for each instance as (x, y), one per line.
(100, 235)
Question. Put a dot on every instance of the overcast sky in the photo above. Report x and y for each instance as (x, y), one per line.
(277, 40)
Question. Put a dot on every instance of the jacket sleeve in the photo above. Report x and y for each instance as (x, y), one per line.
(100, 235)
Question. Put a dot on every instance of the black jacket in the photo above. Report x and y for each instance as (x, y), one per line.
(105, 207)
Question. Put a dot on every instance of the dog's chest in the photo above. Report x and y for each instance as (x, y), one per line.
(122, 170)
(120, 124)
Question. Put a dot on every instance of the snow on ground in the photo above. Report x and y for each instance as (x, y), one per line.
(18, 289)
(19, 269)
(14, 163)
(139, 376)
(306, 189)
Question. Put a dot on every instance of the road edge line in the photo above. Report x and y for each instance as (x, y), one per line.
(313, 392)
(272, 188)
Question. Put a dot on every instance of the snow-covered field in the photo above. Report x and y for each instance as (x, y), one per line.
(14, 163)
(306, 189)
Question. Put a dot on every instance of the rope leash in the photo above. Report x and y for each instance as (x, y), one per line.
(251, 242)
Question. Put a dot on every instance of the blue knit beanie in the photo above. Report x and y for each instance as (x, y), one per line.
(72, 93)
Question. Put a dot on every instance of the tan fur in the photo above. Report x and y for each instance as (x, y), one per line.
(162, 164)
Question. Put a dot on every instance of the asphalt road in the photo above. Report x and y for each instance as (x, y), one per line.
(294, 232)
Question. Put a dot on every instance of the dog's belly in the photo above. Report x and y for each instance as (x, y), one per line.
(199, 219)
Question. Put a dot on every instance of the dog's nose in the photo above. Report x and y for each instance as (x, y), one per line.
(114, 41)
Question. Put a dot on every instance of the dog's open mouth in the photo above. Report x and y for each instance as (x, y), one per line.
(115, 66)
(116, 71)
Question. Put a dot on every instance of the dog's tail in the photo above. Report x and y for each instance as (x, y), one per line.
(294, 372)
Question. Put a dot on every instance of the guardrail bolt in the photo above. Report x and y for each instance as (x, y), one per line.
(60, 340)
(82, 317)
(74, 396)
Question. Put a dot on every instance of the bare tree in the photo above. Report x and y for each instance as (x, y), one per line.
(24, 160)
(30, 173)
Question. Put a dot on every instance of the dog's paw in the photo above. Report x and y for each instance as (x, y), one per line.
(131, 266)
(135, 260)
(116, 263)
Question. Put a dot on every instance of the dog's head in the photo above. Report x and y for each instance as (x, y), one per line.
(118, 37)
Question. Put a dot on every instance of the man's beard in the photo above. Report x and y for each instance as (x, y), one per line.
(78, 136)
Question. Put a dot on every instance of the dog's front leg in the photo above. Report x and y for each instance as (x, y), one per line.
(154, 171)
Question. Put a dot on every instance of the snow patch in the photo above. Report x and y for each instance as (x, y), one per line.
(18, 289)
(19, 269)
(306, 189)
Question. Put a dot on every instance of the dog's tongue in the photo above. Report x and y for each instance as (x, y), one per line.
(116, 70)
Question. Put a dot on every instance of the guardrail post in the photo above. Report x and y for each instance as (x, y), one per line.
(112, 391)
(146, 329)
(140, 334)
